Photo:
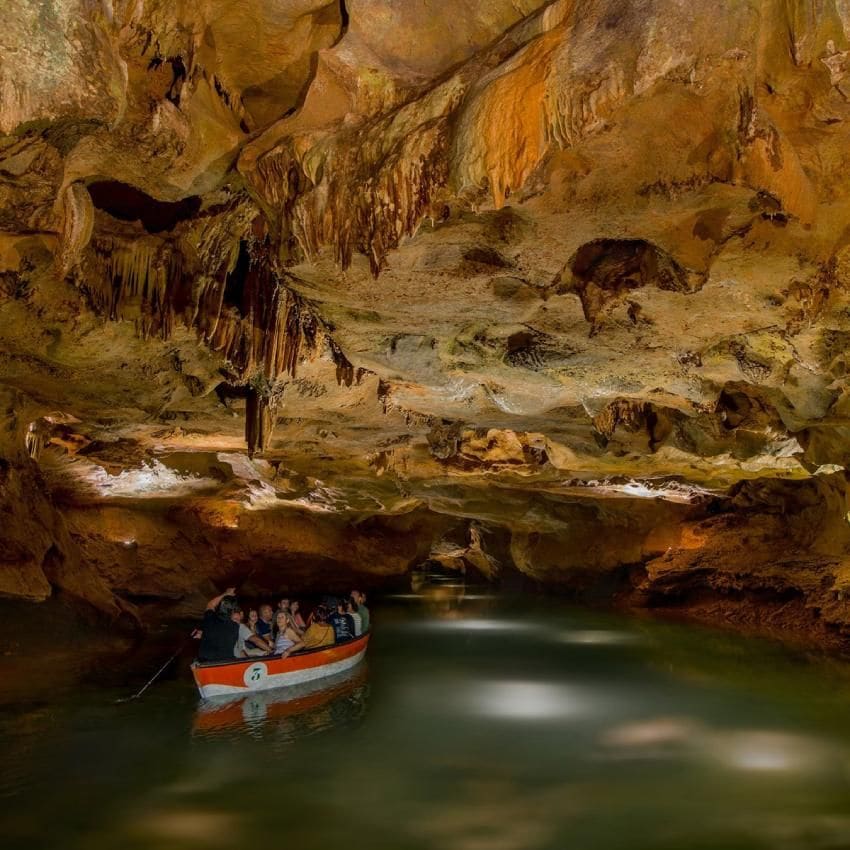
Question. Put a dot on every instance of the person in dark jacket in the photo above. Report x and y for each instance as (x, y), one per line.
(219, 631)
(342, 622)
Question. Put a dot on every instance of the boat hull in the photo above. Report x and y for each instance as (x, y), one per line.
(244, 676)
(223, 714)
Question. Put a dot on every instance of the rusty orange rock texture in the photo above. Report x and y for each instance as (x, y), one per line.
(298, 290)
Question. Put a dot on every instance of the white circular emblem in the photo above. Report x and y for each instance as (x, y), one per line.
(255, 674)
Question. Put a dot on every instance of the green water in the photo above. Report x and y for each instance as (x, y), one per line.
(486, 724)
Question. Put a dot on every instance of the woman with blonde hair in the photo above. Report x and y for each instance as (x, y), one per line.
(287, 638)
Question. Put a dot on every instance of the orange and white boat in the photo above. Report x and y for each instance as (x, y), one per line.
(242, 676)
(308, 703)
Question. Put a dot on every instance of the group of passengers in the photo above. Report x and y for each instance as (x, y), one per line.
(228, 634)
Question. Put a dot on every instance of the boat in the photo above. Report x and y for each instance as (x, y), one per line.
(305, 706)
(246, 675)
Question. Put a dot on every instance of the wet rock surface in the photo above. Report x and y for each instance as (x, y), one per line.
(298, 291)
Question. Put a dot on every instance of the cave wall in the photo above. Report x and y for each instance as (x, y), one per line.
(297, 289)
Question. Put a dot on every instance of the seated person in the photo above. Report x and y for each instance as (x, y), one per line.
(265, 623)
(354, 613)
(359, 599)
(248, 645)
(297, 619)
(319, 632)
(287, 639)
(342, 623)
(219, 631)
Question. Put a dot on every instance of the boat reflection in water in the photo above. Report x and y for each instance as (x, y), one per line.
(294, 712)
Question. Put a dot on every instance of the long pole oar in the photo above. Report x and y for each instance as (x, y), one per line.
(157, 674)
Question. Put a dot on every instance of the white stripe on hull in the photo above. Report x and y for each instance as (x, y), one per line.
(279, 680)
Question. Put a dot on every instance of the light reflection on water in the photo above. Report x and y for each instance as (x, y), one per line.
(475, 624)
(502, 724)
(530, 701)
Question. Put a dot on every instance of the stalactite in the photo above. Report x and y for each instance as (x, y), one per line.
(268, 331)
(242, 308)
(77, 224)
(344, 369)
(376, 195)
(259, 422)
(134, 280)
(293, 332)
(36, 438)
(366, 188)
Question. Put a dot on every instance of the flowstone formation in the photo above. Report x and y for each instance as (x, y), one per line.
(293, 291)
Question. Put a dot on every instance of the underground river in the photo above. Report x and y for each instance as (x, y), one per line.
(476, 723)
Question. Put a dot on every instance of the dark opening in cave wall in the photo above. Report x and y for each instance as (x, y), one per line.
(131, 204)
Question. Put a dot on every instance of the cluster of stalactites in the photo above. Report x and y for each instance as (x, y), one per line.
(257, 323)
(371, 201)
(138, 280)
(242, 310)
(263, 328)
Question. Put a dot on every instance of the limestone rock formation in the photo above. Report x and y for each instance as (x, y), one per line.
(292, 290)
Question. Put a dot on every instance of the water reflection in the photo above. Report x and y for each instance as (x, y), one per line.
(530, 701)
(596, 637)
(514, 725)
(652, 736)
(187, 828)
(473, 624)
(757, 750)
(765, 751)
(294, 712)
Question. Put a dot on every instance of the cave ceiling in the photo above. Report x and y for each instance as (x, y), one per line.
(363, 258)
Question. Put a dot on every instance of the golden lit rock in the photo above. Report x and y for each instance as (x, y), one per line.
(334, 288)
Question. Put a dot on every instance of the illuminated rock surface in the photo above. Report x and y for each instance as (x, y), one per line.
(293, 290)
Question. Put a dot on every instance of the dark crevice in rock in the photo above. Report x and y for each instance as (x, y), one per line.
(128, 203)
(698, 591)
(234, 283)
(65, 134)
(525, 349)
(178, 75)
(742, 406)
(226, 392)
